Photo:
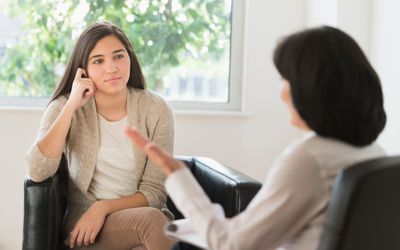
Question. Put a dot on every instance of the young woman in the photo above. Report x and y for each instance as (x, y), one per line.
(335, 96)
(115, 193)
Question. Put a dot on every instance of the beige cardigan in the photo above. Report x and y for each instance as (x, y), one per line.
(149, 113)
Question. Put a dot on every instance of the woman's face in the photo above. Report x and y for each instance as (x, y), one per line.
(286, 96)
(109, 66)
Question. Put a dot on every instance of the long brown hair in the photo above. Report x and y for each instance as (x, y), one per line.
(80, 54)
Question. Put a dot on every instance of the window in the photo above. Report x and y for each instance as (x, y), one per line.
(190, 51)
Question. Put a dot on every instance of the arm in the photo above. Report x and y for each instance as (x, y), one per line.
(290, 198)
(52, 142)
(39, 166)
(44, 156)
(282, 208)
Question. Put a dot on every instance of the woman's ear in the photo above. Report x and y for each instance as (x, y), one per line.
(285, 91)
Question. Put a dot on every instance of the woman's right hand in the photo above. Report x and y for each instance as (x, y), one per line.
(82, 90)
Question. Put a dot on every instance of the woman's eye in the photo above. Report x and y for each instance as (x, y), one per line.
(118, 56)
(98, 61)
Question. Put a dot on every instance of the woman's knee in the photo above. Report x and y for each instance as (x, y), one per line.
(133, 218)
(151, 212)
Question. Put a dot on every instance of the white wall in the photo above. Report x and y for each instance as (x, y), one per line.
(354, 17)
(249, 141)
(321, 12)
(385, 54)
(17, 131)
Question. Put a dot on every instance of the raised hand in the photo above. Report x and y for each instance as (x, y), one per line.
(159, 156)
(82, 89)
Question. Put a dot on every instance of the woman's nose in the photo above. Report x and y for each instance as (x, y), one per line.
(111, 67)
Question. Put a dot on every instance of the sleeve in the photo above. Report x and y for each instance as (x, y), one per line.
(162, 133)
(40, 167)
(289, 199)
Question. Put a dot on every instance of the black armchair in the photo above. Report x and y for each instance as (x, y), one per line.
(364, 212)
(45, 202)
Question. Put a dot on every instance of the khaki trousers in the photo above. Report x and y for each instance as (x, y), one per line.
(134, 228)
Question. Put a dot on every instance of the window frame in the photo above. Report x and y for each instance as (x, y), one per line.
(234, 102)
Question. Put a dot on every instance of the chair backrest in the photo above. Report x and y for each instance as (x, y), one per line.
(364, 212)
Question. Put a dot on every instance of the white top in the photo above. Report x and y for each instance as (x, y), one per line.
(114, 173)
(289, 210)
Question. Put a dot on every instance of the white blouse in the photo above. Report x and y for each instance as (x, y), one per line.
(289, 210)
(114, 173)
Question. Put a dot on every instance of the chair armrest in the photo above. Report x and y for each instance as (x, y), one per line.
(230, 188)
(44, 208)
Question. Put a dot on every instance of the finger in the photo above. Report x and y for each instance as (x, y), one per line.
(93, 236)
(162, 157)
(86, 240)
(86, 82)
(89, 92)
(79, 73)
(136, 137)
(159, 156)
(145, 144)
(87, 95)
(80, 238)
(155, 152)
(72, 238)
(94, 87)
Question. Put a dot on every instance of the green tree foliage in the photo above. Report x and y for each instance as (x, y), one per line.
(164, 33)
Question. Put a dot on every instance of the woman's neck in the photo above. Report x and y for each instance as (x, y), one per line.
(111, 107)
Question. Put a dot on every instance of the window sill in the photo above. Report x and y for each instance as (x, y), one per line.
(216, 113)
(16, 108)
(177, 112)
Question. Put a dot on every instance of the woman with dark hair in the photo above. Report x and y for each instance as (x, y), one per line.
(335, 96)
(116, 196)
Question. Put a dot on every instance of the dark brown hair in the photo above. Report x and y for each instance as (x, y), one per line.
(80, 55)
(333, 86)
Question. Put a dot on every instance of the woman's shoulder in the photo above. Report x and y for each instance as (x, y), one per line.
(296, 168)
(335, 155)
(300, 152)
(329, 155)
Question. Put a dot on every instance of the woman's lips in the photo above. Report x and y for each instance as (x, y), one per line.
(112, 79)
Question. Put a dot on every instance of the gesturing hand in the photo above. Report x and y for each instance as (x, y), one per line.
(82, 89)
(159, 156)
(88, 226)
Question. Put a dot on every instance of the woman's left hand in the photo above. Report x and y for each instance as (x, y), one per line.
(89, 225)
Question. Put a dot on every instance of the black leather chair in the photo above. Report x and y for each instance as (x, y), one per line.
(45, 203)
(364, 212)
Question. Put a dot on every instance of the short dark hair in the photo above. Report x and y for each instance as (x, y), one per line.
(333, 86)
(80, 55)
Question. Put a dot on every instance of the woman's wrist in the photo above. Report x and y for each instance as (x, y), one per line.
(103, 206)
(70, 107)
